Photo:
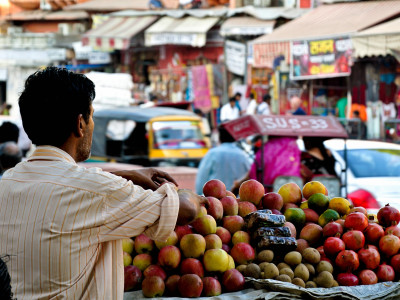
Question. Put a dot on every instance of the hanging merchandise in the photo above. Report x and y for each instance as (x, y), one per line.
(200, 88)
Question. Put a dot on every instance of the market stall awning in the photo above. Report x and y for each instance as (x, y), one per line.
(378, 40)
(109, 5)
(186, 31)
(36, 15)
(116, 33)
(246, 26)
(279, 125)
(327, 21)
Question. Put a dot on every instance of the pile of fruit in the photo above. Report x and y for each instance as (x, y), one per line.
(296, 235)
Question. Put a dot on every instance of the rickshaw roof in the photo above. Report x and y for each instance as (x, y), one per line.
(139, 114)
(283, 125)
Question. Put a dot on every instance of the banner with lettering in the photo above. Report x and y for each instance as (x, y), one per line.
(321, 58)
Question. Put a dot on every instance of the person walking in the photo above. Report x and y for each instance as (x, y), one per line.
(229, 111)
(264, 107)
(226, 162)
(67, 221)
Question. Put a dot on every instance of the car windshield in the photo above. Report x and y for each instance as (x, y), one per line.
(178, 135)
(373, 162)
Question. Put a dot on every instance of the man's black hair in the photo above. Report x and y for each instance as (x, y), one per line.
(267, 98)
(224, 135)
(232, 99)
(238, 95)
(52, 100)
(9, 132)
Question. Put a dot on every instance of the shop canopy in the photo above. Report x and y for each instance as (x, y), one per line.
(109, 5)
(185, 31)
(280, 125)
(116, 33)
(246, 26)
(378, 40)
(326, 21)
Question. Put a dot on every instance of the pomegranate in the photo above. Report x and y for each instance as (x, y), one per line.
(367, 277)
(347, 260)
(385, 273)
(332, 229)
(395, 263)
(354, 240)
(370, 257)
(373, 233)
(340, 221)
(347, 279)
(333, 245)
(389, 244)
(356, 221)
(321, 251)
(326, 259)
(359, 209)
(388, 216)
(395, 230)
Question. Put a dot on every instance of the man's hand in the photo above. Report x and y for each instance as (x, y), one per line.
(189, 206)
(147, 178)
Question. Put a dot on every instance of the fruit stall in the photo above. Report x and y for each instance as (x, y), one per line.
(300, 242)
(296, 243)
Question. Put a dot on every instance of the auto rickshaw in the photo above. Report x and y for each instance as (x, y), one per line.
(154, 136)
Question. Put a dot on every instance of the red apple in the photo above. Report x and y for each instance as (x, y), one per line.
(213, 241)
(224, 235)
(171, 285)
(128, 245)
(272, 201)
(245, 208)
(211, 287)
(230, 205)
(240, 237)
(142, 261)
(143, 244)
(205, 225)
(190, 285)
(252, 191)
(233, 280)
(242, 253)
(292, 228)
(155, 270)
(311, 215)
(132, 277)
(233, 223)
(214, 188)
(153, 286)
(215, 208)
(169, 257)
(171, 240)
(182, 230)
(192, 266)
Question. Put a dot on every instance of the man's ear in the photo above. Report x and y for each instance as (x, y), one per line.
(80, 126)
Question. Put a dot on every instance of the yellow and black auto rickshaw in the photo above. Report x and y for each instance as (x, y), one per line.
(155, 136)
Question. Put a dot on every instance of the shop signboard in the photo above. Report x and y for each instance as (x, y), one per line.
(322, 58)
(235, 54)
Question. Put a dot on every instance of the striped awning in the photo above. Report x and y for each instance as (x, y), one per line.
(186, 31)
(378, 40)
(116, 33)
(326, 21)
(246, 26)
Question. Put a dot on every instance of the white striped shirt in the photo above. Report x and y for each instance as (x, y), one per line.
(62, 224)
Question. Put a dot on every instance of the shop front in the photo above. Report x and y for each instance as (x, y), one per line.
(312, 56)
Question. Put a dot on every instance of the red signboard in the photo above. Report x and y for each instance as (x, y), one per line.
(279, 125)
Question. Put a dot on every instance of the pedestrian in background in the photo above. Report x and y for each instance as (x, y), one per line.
(252, 105)
(10, 156)
(264, 107)
(9, 132)
(229, 111)
(226, 162)
(295, 106)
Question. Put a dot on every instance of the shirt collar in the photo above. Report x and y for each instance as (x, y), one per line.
(51, 153)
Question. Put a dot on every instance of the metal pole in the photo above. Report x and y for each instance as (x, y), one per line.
(345, 167)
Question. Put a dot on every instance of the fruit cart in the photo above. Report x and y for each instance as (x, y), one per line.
(293, 126)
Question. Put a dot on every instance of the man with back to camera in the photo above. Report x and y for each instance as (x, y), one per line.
(63, 224)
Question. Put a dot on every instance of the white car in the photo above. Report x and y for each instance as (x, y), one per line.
(373, 171)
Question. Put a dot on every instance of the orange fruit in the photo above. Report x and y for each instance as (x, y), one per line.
(318, 202)
(314, 187)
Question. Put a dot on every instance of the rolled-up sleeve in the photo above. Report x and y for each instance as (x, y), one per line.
(130, 210)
